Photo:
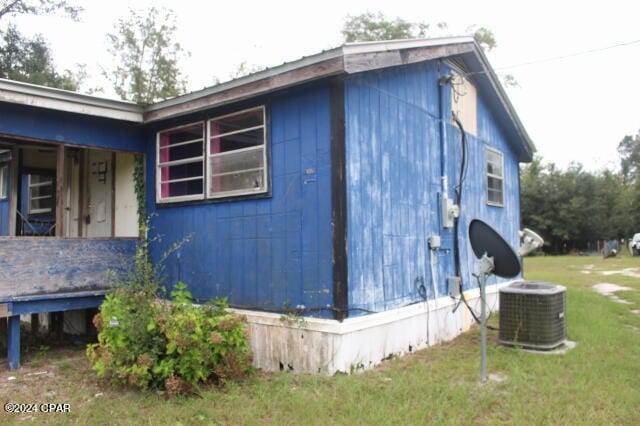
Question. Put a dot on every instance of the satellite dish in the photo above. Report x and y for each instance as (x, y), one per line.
(530, 241)
(496, 257)
(485, 240)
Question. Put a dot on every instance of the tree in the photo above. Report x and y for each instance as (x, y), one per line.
(573, 208)
(29, 60)
(38, 7)
(376, 26)
(629, 151)
(148, 60)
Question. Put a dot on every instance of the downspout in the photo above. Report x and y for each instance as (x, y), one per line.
(443, 82)
(448, 210)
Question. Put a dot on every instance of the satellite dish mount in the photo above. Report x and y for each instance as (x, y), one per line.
(495, 257)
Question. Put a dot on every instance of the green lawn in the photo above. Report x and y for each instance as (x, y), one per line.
(598, 382)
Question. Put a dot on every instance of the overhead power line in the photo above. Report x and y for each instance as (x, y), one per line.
(571, 55)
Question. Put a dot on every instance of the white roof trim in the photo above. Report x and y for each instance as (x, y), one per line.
(384, 46)
(64, 100)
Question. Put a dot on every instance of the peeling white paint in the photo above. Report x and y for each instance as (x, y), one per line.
(323, 346)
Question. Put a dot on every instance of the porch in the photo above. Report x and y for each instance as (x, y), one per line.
(40, 275)
(68, 214)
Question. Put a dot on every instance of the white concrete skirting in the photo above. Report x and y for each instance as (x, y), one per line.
(323, 346)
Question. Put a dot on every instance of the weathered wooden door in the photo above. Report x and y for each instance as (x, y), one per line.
(98, 211)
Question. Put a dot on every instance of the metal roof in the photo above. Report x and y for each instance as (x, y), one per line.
(347, 59)
(64, 100)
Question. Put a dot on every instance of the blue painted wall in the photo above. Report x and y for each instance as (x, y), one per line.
(265, 252)
(393, 186)
(71, 128)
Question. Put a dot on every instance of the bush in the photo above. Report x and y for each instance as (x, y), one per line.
(148, 343)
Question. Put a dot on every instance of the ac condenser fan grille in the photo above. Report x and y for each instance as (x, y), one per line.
(532, 315)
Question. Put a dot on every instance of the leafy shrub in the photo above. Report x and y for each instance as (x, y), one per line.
(147, 343)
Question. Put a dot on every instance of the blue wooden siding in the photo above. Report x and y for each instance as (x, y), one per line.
(59, 265)
(267, 252)
(394, 183)
(55, 126)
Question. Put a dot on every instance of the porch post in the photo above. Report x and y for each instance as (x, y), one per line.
(60, 191)
(13, 342)
(13, 197)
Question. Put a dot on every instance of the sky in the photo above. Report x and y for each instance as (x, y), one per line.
(576, 62)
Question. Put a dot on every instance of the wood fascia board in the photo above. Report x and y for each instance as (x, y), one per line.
(368, 61)
(59, 100)
(268, 84)
(528, 147)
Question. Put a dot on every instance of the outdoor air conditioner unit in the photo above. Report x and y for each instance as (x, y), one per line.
(532, 315)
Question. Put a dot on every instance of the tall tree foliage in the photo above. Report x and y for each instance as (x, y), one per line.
(147, 58)
(573, 208)
(629, 151)
(371, 26)
(10, 8)
(29, 59)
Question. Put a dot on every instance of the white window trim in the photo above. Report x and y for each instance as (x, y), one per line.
(240, 192)
(206, 156)
(44, 197)
(4, 177)
(500, 177)
(159, 165)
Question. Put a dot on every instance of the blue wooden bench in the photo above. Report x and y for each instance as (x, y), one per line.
(13, 307)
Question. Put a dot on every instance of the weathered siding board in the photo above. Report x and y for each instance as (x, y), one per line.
(55, 126)
(506, 219)
(30, 266)
(389, 121)
(394, 185)
(4, 217)
(266, 252)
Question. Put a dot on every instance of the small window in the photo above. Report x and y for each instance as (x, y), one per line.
(236, 154)
(41, 194)
(495, 177)
(180, 160)
(4, 181)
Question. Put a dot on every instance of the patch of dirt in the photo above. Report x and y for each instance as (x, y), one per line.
(608, 289)
(40, 373)
(496, 377)
(628, 272)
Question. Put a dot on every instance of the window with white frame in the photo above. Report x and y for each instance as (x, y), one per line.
(180, 163)
(41, 194)
(495, 177)
(232, 162)
(236, 154)
(4, 180)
